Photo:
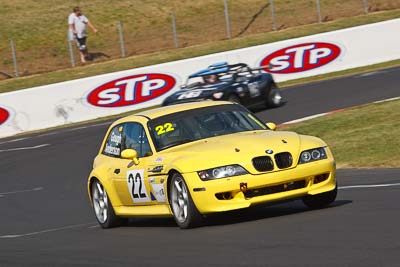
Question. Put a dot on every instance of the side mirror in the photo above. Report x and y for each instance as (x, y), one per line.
(130, 154)
(271, 126)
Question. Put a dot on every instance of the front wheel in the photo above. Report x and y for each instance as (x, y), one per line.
(274, 98)
(321, 200)
(102, 207)
(185, 212)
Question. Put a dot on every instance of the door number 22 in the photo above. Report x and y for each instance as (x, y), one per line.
(137, 186)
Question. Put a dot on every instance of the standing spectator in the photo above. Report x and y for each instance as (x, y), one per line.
(77, 25)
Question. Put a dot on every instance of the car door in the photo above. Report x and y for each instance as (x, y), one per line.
(131, 181)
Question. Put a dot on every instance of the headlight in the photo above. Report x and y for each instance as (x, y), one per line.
(312, 155)
(221, 172)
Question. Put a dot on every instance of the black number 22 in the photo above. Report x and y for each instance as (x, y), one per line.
(135, 180)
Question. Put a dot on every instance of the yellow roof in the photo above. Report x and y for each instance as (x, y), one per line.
(161, 111)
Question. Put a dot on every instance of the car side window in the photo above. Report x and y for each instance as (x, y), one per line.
(113, 144)
(135, 137)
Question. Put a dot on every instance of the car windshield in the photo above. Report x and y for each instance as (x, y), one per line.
(196, 124)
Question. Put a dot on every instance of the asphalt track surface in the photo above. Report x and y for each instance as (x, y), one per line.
(46, 218)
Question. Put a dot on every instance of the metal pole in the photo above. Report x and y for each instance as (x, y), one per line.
(319, 11)
(71, 53)
(365, 6)
(174, 31)
(14, 56)
(71, 50)
(271, 3)
(121, 38)
(227, 21)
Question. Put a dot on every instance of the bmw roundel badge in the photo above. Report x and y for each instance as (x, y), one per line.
(269, 151)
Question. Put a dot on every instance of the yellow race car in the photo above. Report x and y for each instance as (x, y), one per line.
(190, 160)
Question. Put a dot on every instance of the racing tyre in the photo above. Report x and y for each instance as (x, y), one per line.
(274, 97)
(185, 212)
(321, 200)
(234, 99)
(102, 207)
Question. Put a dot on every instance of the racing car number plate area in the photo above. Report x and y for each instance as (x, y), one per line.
(190, 94)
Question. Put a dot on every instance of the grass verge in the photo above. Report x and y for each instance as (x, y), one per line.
(366, 136)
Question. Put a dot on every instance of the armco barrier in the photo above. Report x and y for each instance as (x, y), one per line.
(99, 96)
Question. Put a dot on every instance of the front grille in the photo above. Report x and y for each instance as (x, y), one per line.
(283, 160)
(275, 189)
(263, 163)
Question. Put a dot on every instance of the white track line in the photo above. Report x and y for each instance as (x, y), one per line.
(57, 132)
(22, 191)
(305, 118)
(368, 186)
(15, 140)
(387, 100)
(24, 148)
(47, 231)
(369, 74)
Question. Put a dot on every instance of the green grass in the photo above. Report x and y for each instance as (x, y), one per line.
(366, 136)
(192, 51)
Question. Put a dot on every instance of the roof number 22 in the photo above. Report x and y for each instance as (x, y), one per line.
(162, 129)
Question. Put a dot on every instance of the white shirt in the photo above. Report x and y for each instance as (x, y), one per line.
(80, 23)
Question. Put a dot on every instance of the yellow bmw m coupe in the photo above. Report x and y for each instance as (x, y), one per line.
(190, 160)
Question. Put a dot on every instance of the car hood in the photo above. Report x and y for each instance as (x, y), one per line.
(238, 148)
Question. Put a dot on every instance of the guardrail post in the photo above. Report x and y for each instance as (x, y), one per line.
(319, 11)
(174, 31)
(365, 2)
(227, 21)
(14, 57)
(271, 3)
(71, 54)
(70, 39)
(121, 38)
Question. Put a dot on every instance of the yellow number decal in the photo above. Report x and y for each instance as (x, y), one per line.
(168, 127)
(162, 129)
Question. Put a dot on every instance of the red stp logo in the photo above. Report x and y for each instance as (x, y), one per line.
(4, 115)
(301, 57)
(131, 90)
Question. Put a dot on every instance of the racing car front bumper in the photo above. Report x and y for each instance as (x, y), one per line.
(243, 191)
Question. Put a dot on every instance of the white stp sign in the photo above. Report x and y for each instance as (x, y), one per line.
(301, 57)
(131, 90)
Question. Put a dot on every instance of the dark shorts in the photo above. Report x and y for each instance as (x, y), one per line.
(81, 43)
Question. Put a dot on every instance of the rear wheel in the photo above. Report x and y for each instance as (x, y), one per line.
(274, 98)
(321, 200)
(102, 207)
(185, 212)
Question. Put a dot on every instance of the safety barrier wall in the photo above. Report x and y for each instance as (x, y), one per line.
(104, 95)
